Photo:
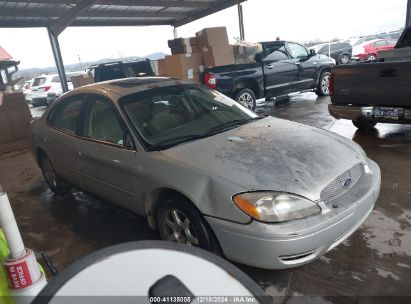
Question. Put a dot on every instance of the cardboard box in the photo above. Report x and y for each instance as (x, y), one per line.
(159, 67)
(180, 42)
(184, 66)
(82, 80)
(218, 56)
(212, 36)
(185, 49)
(15, 118)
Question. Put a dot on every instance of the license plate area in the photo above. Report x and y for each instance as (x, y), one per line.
(387, 113)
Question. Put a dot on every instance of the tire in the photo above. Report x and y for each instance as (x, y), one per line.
(363, 124)
(179, 221)
(322, 87)
(344, 59)
(372, 57)
(246, 97)
(55, 183)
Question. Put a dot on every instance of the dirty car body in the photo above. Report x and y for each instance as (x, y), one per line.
(274, 193)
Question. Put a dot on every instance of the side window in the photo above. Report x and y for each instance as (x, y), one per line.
(298, 51)
(102, 122)
(66, 115)
(275, 53)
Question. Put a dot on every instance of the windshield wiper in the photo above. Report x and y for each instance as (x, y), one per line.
(231, 125)
(177, 140)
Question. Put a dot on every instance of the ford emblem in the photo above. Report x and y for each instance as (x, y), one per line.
(347, 182)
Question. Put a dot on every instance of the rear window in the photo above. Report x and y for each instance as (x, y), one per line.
(39, 81)
(65, 117)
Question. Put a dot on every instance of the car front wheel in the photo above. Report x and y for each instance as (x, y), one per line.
(56, 184)
(322, 88)
(372, 57)
(178, 221)
(247, 98)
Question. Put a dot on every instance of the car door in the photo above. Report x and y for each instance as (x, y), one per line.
(61, 140)
(108, 154)
(280, 71)
(306, 66)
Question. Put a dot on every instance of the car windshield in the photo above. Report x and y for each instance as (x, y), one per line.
(168, 116)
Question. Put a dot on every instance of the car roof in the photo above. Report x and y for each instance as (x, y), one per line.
(114, 89)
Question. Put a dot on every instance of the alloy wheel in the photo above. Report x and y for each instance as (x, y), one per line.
(178, 228)
(324, 84)
(345, 59)
(49, 173)
(247, 99)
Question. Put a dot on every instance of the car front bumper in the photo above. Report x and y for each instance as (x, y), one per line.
(294, 243)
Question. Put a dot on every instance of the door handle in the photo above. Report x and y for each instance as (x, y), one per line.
(388, 73)
(82, 155)
(298, 63)
(270, 67)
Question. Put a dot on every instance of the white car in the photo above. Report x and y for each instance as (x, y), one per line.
(44, 85)
(26, 89)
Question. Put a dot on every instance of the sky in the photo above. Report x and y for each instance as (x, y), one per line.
(297, 20)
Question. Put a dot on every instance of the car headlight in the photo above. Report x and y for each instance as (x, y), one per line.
(274, 207)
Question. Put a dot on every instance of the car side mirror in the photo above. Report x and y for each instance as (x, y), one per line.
(128, 141)
(258, 57)
(312, 53)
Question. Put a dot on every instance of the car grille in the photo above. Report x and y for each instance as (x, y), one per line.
(342, 183)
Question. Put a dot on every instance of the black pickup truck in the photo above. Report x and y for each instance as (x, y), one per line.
(282, 68)
(372, 92)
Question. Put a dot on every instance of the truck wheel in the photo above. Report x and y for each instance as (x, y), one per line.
(363, 124)
(322, 87)
(246, 97)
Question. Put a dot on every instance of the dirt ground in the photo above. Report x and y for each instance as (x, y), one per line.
(374, 262)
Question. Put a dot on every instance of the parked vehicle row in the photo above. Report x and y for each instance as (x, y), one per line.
(369, 50)
(179, 154)
(341, 52)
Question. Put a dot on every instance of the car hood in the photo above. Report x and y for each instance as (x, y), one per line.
(272, 154)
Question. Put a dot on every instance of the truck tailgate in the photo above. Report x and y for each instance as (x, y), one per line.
(379, 83)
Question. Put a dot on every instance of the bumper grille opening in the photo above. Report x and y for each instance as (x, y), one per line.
(342, 183)
(296, 257)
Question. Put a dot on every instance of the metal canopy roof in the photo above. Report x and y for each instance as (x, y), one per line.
(58, 14)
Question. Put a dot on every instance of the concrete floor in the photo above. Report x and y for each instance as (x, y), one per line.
(374, 262)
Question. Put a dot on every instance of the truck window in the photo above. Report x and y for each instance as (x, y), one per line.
(275, 52)
(297, 51)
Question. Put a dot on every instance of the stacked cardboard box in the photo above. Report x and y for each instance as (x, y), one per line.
(214, 46)
(184, 66)
(15, 118)
(245, 53)
(183, 46)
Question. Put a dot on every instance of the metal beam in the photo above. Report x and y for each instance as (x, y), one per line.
(213, 8)
(408, 17)
(241, 21)
(50, 13)
(25, 24)
(61, 24)
(159, 3)
(55, 47)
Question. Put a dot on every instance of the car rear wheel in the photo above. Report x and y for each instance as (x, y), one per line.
(247, 98)
(322, 88)
(372, 57)
(344, 59)
(56, 184)
(178, 221)
(363, 124)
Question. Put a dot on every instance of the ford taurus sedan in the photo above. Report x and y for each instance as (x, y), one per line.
(206, 171)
